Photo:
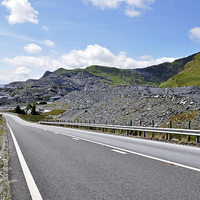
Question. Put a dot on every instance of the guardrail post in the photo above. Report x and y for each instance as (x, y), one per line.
(189, 126)
(152, 123)
(131, 123)
(113, 130)
(170, 126)
(197, 139)
(166, 136)
(144, 134)
(127, 132)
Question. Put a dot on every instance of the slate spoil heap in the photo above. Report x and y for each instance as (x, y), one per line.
(122, 104)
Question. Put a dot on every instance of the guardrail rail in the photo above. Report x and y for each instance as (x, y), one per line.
(144, 130)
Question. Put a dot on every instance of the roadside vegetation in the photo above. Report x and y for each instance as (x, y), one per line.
(30, 113)
(186, 120)
(4, 181)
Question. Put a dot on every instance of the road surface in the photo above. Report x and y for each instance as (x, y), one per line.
(74, 164)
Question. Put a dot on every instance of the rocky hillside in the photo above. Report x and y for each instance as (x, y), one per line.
(62, 82)
(125, 103)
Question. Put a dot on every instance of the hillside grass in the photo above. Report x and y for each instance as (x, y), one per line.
(110, 73)
(118, 76)
(181, 121)
(189, 76)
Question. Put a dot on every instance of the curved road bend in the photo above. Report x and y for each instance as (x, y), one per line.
(75, 164)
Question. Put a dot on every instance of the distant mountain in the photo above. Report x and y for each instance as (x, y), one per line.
(189, 76)
(62, 81)
(1, 85)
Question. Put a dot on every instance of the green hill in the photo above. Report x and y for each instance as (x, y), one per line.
(164, 71)
(117, 76)
(189, 76)
(153, 75)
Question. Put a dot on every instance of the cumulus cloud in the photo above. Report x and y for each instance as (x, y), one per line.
(194, 34)
(22, 71)
(97, 55)
(49, 43)
(91, 55)
(19, 73)
(21, 11)
(133, 7)
(32, 48)
(146, 57)
(41, 62)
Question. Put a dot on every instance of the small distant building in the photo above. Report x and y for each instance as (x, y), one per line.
(52, 99)
(1, 114)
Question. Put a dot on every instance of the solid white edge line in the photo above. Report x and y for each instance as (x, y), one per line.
(35, 194)
(136, 153)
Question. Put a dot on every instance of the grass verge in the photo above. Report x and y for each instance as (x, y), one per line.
(43, 116)
(4, 158)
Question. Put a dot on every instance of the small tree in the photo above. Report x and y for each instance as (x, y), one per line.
(33, 111)
(18, 110)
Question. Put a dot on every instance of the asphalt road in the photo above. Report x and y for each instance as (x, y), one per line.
(75, 164)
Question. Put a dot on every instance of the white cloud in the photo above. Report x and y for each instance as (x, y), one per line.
(133, 7)
(49, 43)
(21, 11)
(46, 28)
(132, 13)
(92, 55)
(97, 55)
(32, 48)
(146, 57)
(22, 71)
(104, 3)
(18, 74)
(41, 62)
(194, 34)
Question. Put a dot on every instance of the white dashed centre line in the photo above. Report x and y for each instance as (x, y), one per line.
(75, 138)
(118, 151)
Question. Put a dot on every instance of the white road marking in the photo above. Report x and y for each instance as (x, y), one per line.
(128, 151)
(75, 138)
(35, 194)
(136, 153)
(118, 151)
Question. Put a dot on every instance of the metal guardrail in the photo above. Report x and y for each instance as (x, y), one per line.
(166, 131)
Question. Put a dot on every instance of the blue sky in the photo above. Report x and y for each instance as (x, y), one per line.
(36, 36)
